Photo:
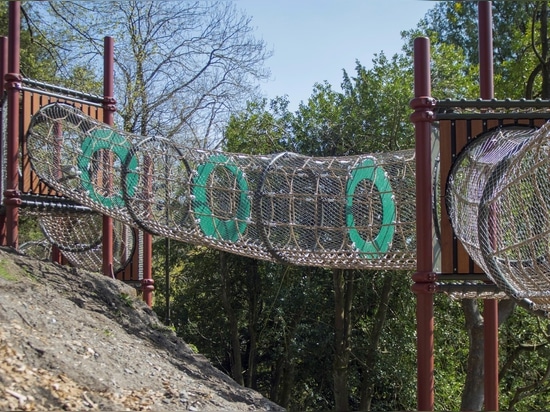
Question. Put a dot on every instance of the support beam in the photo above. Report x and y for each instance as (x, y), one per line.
(490, 306)
(424, 277)
(12, 196)
(109, 108)
(3, 70)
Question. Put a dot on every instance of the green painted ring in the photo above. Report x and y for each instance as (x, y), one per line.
(211, 226)
(105, 139)
(371, 249)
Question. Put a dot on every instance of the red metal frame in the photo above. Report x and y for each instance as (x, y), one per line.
(3, 70)
(12, 197)
(490, 306)
(424, 278)
(109, 108)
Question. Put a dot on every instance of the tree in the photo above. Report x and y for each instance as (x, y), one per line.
(520, 37)
(181, 67)
(38, 57)
(267, 124)
(521, 57)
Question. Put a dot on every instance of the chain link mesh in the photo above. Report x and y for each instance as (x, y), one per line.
(343, 212)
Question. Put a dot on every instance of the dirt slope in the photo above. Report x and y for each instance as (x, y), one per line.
(75, 340)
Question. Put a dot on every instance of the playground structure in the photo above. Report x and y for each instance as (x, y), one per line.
(477, 227)
(73, 229)
(340, 212)
(346, 212)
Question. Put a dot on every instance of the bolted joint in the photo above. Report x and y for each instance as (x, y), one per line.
(422, 109)
(424, 288)
(422, 102)
(12, 197)
(422, 116)
(12, 81)
(147, 284)
(109, 104)
(424, 277)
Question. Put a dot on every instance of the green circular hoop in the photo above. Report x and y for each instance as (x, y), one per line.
(105, 139)
(210, 225)
(371, 249)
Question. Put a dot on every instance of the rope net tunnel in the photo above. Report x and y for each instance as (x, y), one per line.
(498, 196)
(342, 212)
(354, 212)
(78, 235)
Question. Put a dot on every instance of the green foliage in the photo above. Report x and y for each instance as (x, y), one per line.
(29, 229)
(40, 57)
(270, 128)
(525, 362)
(521, 55)
(451, 353)
(127, 299)
(286, 315)
(6, 273)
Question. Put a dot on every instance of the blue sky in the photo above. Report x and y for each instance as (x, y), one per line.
(313, 40)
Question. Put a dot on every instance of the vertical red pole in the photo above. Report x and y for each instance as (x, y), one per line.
(424, 278)
(3, 59)
(485, 27)
(147, 282)
(56, 255)
(3, 71)
(490, 306)
(109, 108)
(12, 196)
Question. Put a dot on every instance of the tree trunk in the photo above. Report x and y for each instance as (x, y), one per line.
(473, 392)
(368, 381)
(288, 383)
(544, 51)
(236, 359)
(343, 296)
(254, 292)
(283, 375)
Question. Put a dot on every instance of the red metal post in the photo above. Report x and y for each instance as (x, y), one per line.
(3, 59)
(490, 306)
(3, 71)
(424, 277)
(109, 108)
(147, 283)
(485, 27)
(12, 196)
(56, 255)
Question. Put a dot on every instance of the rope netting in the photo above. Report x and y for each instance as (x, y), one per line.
(498, 194)
(341, 212)
(468, 177)
(79, 237)
(514, 225)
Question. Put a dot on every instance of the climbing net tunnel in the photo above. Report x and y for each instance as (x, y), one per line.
(343, 212)
(71, 228)
(498, 196)
(78, 235)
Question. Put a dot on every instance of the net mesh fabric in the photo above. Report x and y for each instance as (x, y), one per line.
(497, 197)
(514, 225)
(79, 237)
(468, 177)
(343, 212)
